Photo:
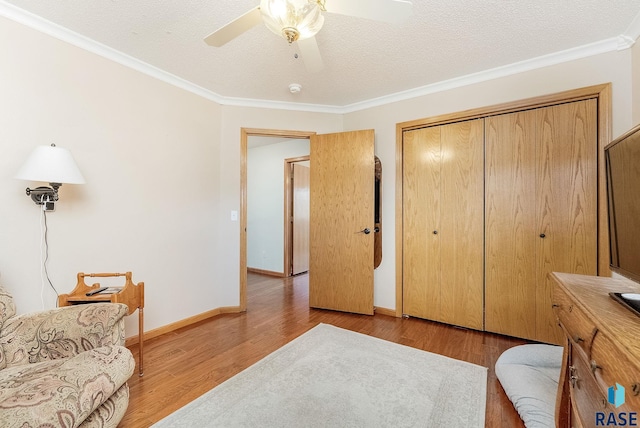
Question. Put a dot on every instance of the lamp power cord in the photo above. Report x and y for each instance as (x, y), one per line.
(44, 257)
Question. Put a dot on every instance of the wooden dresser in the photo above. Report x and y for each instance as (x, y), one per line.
(602, 349)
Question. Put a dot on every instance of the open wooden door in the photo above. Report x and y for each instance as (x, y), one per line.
(342, 222)
(300, 220)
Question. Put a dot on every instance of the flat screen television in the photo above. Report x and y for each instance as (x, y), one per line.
(622, 163)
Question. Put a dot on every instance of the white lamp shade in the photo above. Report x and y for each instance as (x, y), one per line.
(52, 165)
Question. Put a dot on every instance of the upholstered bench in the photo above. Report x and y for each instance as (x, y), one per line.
(529, 375)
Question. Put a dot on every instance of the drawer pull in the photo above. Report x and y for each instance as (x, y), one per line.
(594, 366)
(573, 378)
(574, 381)
(636, 389)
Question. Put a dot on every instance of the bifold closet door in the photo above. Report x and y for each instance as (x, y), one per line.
(541, 212)
(567, 221)
(421, 218)
(510, 237)
(443, 222)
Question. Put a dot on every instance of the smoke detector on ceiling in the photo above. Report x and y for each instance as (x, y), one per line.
(294, 88)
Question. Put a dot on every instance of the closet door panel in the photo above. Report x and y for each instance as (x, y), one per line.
(421, 217)
(510, 235)
(462, 224)
(566, 202)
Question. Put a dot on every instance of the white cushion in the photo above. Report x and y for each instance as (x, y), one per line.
(529, 375)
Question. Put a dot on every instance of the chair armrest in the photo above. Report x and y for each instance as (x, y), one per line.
(61, 332)
(65, 392)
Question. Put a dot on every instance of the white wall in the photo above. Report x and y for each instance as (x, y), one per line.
(150, 153)
(163, 174)
(265, 202)
(611, 67)
(163, 168)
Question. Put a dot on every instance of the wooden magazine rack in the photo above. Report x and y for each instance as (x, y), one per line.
(129, 294)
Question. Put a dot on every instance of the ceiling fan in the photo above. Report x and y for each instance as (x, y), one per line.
(300, 20)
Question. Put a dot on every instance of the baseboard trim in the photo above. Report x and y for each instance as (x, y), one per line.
(266, 272)
(385, 311)
(133, 340)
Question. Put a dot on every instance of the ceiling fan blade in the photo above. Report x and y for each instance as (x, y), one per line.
(310, 54)
(234, 28)
(393, 11)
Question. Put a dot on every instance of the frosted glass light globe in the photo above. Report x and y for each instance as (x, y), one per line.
(292, 19)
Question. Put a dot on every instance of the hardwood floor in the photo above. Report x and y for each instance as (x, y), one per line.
(182, 365)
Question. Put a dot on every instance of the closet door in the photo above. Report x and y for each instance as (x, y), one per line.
(462, 224)
(421, 221)
(541, 212)
(444, 223)
(567, 202)
(510, 246)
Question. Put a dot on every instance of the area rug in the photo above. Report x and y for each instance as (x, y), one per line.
(330, 377)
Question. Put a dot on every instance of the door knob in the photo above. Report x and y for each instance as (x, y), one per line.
(542, 235)
(435, 232)
(366, 231)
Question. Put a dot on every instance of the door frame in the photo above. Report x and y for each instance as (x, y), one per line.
(600, 92)
(245, 133)
(288, 199)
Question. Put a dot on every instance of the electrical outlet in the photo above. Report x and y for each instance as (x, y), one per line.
(48, 206)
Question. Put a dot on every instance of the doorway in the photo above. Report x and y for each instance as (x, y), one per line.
(341, 218)
(296, 215)
(245, 135)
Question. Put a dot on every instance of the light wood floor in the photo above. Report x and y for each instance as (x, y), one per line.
(182, 365)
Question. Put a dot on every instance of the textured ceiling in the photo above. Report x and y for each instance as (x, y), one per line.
(364, 60)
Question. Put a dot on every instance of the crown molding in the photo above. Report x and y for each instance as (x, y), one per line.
(59, 32)
(633, 32)
(281, 105)
(600, 47)
(624, 41)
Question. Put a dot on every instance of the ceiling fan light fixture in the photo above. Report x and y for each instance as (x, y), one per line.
(292, 19)
(291, 34)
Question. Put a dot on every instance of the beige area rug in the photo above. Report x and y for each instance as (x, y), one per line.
(330, 377)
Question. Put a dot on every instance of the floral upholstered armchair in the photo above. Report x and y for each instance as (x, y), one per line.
(64, 367)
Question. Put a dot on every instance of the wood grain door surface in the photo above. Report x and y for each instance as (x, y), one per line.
(300, 221)
(443, 222)
(421, 218)
(567, 202)
(541, 212)
(341, 208)
(510, 224)
(462, 224)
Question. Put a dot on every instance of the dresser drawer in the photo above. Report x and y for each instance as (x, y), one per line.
(611, 366)
(578, 327)
(587, 397)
